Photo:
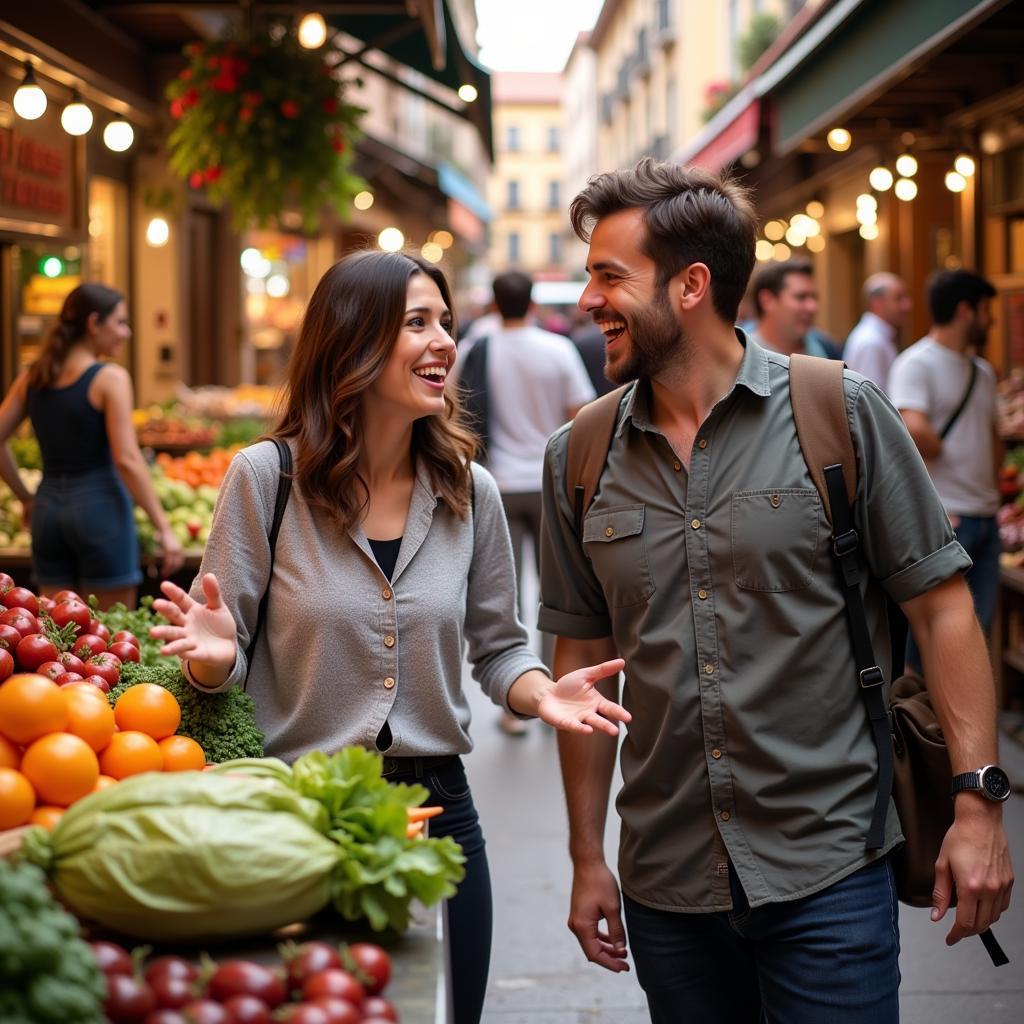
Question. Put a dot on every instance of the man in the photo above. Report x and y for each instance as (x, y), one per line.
(749, 771)
(872, 346)
(535, 381)
(786, 303)
(589, 341)
(929, 383)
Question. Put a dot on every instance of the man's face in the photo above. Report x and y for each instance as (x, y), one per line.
(980, 322)
(894, 304)
(792, 311)
(642, 333)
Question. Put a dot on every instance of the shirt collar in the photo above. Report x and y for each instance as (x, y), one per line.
(885, 328)
(753, 375)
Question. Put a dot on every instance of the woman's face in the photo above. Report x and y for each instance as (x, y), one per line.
(414, 375)
(108, 336)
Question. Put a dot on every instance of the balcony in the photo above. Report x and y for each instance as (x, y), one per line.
(641, 63)
(664, 24)
(607, 103)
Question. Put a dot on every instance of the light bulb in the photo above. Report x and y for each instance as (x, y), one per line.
(955, 181)
(29, 100)
(816, 244)
(76, 118)
(118, 136)
(815, 209)
(866, 201)
(774, 230)
(363, 200)
(880, 179)
(432, 252)
(906, 189)
(869, 232)
(781, 251)
(906, 165)
(794, 237)
(839, 139)
(964, 165)
(763, 249)
(158, 231)
(468, 93)
(865, 215)
(443, 238)
(312, 31)
(391, 239)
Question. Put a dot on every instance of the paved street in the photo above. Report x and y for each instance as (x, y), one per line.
(538, 974)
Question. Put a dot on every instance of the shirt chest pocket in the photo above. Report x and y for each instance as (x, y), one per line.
(613, 540)
(775, 538)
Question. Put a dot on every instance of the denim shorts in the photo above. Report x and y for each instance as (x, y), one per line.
(83, 532)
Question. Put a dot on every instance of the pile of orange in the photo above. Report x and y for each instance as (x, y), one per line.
(195, 468)
(59, 744)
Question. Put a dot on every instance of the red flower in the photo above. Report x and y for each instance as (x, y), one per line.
(239, 66)
(177, 109)
(212, 174)
(195, 179)
(186, 75)
(290, 108)
(224, 82)
(330, 104)
(190, 97)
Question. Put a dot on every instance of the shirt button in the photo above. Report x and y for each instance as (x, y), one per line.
(386, 594)
(608, 531)
(716, 753)
(677, 465)
(695, 523)
(725, 815)
(702, 443)
(776, 500)
(708, 669)
(702, 594)
(389, 641)
(389, 683)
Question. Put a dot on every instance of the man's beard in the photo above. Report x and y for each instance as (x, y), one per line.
(655, 341)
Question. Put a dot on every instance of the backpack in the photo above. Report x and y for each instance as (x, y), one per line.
(913, 762)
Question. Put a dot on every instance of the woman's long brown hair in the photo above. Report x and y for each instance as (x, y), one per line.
(351, 325)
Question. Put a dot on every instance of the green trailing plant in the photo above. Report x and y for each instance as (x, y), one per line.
(262, 125)
(762, 31)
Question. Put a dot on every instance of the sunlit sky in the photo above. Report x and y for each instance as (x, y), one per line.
(531, 35)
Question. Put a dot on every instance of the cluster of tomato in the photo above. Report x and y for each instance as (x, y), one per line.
(316, 984)
(61, 743)
(27, 645)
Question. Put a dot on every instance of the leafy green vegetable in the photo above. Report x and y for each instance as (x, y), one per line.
(48, 975)
(223, 724)
(135, 620)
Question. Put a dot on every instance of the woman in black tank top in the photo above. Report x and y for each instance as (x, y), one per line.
(81, 517)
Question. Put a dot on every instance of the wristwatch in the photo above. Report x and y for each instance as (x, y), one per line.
(991, 781)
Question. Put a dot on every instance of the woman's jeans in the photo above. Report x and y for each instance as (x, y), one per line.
(470, 910)
(829, 958)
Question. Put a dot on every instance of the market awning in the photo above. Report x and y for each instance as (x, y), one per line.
(720, 146)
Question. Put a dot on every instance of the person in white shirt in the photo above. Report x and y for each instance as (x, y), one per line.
(946, 395)
(535, 382)
(872, 345)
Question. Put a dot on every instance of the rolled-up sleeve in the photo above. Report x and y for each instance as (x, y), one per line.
(498, 644)
(572, 601)
(907, 537)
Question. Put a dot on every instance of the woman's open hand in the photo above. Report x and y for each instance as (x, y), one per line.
(203, 633)
(574, 705)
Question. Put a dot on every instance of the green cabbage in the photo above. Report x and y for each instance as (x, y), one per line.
(191, 855)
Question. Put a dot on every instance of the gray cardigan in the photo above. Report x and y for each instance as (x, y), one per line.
(343, 649)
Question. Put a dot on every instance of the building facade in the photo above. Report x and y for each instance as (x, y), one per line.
(579, 114)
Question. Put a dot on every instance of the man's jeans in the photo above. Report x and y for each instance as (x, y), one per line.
(830, 958)
(979, 537)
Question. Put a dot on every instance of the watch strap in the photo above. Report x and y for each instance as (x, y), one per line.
(966, 782)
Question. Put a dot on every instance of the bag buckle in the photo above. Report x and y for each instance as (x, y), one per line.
(871, 677)
(845, 543)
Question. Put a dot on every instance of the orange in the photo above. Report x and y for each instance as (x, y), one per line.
(148, 708)
(182, 754)
(10, 756)
(89, 718)
(62, 768)
(46, 816)
(17, 798)
(131, 753)
(31, 706)
(104, 782)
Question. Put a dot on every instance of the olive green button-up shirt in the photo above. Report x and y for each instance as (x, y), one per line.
(749, 741)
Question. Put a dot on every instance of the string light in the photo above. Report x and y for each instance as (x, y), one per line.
(906, 189)
(29, 100)
(839, 139)
(964, 165)
(880, 179)
(906, 165)
(76, 117)
(118, 136)
(955, 181)
(312, 31)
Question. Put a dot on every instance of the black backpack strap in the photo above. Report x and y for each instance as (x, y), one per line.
(846, 547)
(284, 490)
(950, 423)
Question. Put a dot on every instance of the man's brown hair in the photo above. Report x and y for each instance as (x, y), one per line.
(690, 216)
(772, 278)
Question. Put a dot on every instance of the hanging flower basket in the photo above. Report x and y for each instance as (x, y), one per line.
(263, 126)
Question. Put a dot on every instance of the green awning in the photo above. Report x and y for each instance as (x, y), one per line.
(876, 43)
(428, 44)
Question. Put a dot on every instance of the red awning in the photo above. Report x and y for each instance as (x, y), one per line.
(738, 136)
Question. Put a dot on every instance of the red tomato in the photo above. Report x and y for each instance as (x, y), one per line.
(98, 629)
(98, 681)
(34, 650)
(339, 1011)
(6, 663)
(6, 582)
(164, 1017)
(68, 678)
(124, 636)
(311, 958)
(124, 651)
(65, 595)
(170, 967)
(106, 665)
(171, 993)
(21, 619)
(303, 1013)
(9, 637)
(373, 966)
(378, 1008)
(128, 1000)
(71, 662)
(21, 597)
(88, 641)
(249, 1010)
(72, 611)
(51, 669)
(47, 605)
(333, 982)
(112, 958)
(242, 977)
(205, 1011)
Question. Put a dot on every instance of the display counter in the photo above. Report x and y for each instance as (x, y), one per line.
(1008, 640)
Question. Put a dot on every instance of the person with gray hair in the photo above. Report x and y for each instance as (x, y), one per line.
(872, 345)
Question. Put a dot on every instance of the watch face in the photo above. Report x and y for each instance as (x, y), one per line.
(995, 783)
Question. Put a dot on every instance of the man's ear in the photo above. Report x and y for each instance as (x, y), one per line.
(689, 288)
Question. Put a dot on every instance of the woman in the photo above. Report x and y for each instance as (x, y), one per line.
(83, 530)
(393, 554)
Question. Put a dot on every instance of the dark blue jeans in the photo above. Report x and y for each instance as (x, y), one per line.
(830, 958)
(470, 911)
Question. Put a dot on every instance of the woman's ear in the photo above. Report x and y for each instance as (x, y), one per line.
(92, 323)
(689, 287)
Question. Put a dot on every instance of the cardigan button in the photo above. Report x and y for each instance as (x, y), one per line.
(389, 683)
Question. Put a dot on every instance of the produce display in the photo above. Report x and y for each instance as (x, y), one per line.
(197, 469)
(189, 509)
(1011, 405)
(1011, 513)
(48, 974)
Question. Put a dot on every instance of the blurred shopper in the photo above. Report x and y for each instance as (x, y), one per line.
(785, 301)
(525, 383)
(946, 393)
(749, 772)
(872, 346)
(589, 342)
(403, 542)
(81, 518)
